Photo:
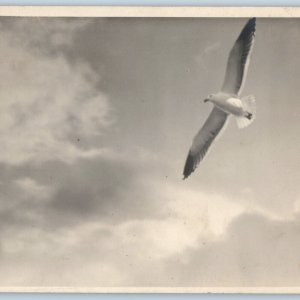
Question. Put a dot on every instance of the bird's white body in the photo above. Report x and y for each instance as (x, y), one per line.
(229, 104)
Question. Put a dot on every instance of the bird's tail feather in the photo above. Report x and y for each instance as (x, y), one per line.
(249, 106)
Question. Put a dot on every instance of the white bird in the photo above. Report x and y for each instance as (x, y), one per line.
(227, 101)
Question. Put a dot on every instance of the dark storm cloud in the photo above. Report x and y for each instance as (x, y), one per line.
(112, 191)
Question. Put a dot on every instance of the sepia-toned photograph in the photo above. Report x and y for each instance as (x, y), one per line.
(155, 153)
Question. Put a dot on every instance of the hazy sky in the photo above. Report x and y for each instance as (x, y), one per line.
(96, 119)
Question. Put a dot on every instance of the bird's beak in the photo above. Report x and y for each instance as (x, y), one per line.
(206, 100)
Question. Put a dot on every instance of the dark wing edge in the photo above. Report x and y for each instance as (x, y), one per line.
(203, 140)
(238, 59)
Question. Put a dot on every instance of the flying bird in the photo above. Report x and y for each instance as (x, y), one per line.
(228, 101)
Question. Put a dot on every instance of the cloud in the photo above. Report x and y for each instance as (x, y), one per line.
(30, 188)
(50, 108)
(44, 34)
(121, 226)
(102, 236)
(112, 189)
(256, 251)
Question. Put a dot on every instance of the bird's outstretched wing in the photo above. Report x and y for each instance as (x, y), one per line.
(239, 59)
(204, 139)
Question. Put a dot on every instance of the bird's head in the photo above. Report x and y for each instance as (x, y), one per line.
(208, 98)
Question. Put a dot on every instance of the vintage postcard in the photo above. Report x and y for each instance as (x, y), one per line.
(150, 149)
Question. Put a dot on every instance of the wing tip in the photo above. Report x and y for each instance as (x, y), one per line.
(189, 166)
(185, 176)
(251, 22)
(249, 28)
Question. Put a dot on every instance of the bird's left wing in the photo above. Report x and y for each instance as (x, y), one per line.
(204, 139)
(238, 59)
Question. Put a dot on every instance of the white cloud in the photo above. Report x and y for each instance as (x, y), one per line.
(201, 239)
(255, 252)
(131, 252)
(47, 104)
(30, 188)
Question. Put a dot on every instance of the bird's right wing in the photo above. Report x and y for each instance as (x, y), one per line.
(204, 139)
(238, 59)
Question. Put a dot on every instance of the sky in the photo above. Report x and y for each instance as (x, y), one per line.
(96, 119)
